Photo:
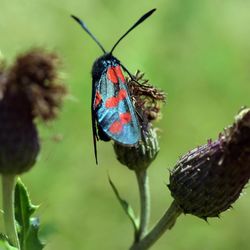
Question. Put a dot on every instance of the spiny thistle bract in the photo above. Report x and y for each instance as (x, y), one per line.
(30, 88)
(207, 180)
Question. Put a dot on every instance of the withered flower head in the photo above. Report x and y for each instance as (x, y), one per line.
(147, 101)
(35, 75)
(146, 97)
(30, 89)
(207, 180)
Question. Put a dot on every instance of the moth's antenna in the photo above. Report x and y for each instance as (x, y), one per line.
(83, 25)
(143, 18)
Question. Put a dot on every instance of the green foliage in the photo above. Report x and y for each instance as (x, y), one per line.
(197, 51)
(28, 226)
(126, 207)
(4, 244)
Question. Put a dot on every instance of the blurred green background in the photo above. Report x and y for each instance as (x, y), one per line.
(197, 51)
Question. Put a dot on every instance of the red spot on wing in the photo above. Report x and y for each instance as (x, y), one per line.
(122, 94)
(113, 101)
(125, 118)
(98, 98)
(116, 127)
(112, 75)
(119, 73)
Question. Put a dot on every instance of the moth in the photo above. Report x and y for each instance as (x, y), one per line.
(113, 113)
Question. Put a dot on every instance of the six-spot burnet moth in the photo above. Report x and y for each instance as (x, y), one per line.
(113, 113)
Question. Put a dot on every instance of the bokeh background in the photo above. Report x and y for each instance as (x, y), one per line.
(197, 51)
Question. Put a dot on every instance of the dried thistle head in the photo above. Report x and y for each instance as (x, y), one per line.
(30, 89)
(35, 75)
(207, 180)
(146, 98)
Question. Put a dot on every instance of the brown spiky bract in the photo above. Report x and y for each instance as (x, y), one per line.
(207, 180)
(29, 89)
(146, 97)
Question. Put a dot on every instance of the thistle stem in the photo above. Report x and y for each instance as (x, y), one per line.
(143, 185)
(166, 222)
(8, 191)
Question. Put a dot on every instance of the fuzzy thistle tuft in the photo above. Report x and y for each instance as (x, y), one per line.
(35, 75)
(29, 89)
(207, 180)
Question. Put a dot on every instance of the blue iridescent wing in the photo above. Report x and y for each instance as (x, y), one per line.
(113, 108)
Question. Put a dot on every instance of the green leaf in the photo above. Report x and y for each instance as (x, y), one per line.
(23, 206)
(32, 241)
(4, 244)
(126, 207)
(28, 226)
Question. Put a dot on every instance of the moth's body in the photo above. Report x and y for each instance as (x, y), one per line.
(113, 112)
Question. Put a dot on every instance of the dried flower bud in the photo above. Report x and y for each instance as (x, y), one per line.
(141, 156)
(207, 180)
(146, 97)
(30, 90)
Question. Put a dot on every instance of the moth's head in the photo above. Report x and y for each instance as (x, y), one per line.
(101, 64)
(107, 59)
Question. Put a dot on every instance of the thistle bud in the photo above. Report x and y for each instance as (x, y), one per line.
(139, 157)
(29, 89)
(207, 180)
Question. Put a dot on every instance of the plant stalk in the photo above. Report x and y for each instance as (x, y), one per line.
(143, 185)
(166, 222)
(8, 191)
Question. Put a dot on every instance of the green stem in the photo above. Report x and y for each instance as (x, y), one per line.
(143, 184)
(166, 222)
(8, 190)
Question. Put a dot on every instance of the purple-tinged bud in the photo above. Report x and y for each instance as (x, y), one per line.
(207, 180)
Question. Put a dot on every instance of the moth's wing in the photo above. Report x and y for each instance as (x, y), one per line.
(115, 113)
(93, 120)
(131, 128)
(96, 101)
